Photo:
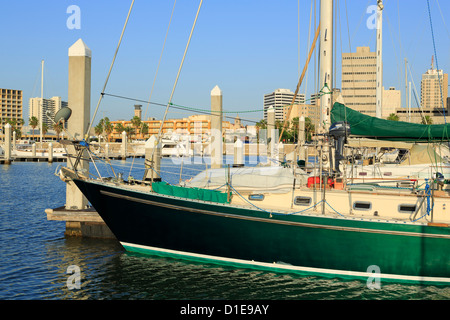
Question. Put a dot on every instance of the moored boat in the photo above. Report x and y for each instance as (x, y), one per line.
(341, 235)
(280, 218)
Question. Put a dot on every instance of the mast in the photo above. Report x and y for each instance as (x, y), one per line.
(326, 61)
(326, 76)
(379, 90)
(41, 109)
(406, 83)
(409, 102)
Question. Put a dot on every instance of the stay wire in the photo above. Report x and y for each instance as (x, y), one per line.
(178, 74)
(110, 69)
(160, 58)
(437, 63)
(174, 106)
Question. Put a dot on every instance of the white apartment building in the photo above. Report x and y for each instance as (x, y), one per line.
(45, 109)
(279, 99)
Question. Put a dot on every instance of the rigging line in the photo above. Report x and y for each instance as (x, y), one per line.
(298, 37)
(399, 33)
(394, 48)
(157, 69)
(443, 20)
(308, 44)
(173, 106)
(415, 91)
(360, 20)
(159, 62)
(109, 72)
(333, 84)
(437, 63)
(301, 80)
(349, 46)
(342, 46)
(178, 75)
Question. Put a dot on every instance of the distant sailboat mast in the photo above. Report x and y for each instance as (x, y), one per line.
(379, 90)
(41, 109)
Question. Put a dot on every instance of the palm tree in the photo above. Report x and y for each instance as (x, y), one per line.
(58, 127)
(294, 127)
(98, 129)
(44, 128)
(20, 122)
(427, 120)
(144, 129)
(119, 128)
(108, 127)
(393, 117)
(129, 131)
(18, 133)
(12, 122)
(309, 129)
(34, 122)
(136, 122)
(262, 124)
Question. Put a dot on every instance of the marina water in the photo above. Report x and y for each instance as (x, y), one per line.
(36, 257)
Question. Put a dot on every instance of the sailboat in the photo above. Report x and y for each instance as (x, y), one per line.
(280, 219)
(421, 150)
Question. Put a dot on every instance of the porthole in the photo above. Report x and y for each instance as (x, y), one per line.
(362, 205)
(302, 201)
(407, 208)
(256, 197)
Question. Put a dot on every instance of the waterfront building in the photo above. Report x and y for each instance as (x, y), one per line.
(11, 104)
(192, 125)
(433, 99)
(315, 99)
(434, 89)
(304, 110)
(279, 99)
(45, 109)
(359, 76)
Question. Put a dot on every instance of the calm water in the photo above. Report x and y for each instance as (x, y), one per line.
(35, 257)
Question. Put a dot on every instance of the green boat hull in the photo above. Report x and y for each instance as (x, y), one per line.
(146, 222)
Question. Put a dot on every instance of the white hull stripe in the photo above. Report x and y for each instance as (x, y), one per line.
(287, 267)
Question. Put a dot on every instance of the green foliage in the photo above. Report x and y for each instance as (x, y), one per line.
(393, 117)
(290, 133)
(427, 120)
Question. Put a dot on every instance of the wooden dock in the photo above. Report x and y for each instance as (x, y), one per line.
(32, 159)
(81, 223)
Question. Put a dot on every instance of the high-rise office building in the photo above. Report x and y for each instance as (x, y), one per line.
(434, 89)
(45, 109)
(359, 80)
(11, 104)
(279, 99)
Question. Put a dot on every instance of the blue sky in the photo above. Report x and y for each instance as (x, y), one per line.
(246, 47)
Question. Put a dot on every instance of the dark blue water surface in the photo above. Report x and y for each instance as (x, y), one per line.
(35, 256)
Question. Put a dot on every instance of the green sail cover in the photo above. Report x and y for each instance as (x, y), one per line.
(375, 128)
(190, 193)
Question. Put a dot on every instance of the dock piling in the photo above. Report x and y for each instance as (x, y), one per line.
(7, 150)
